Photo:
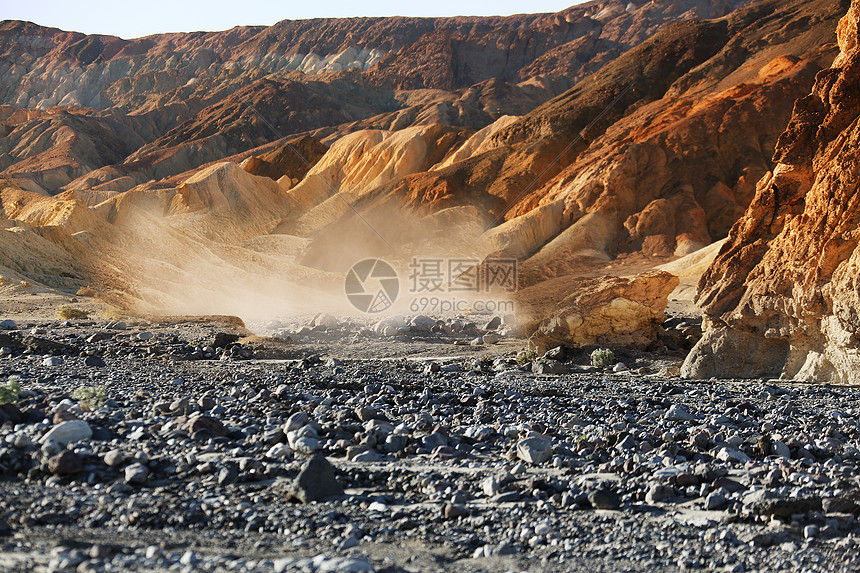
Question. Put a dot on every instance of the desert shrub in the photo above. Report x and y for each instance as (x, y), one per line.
(602, 358)
(66, 312)
(10, 391)
(526, 356)
(90, 397)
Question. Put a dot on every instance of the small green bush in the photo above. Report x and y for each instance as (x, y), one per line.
(90, 397)
(10, 391)
(602, 358)
(66, 312)
(526, 356)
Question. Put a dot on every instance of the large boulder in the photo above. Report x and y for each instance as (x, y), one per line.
(316, 481)
(613, 311)
(782, 296)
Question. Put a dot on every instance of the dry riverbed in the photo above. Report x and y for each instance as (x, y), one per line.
(192, 445)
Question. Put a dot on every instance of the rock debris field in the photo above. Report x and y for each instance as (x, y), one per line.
(181, 447)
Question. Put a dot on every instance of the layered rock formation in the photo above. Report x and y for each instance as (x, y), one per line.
(190, 99)
(686, 123)
(439, 140)
(781, 297)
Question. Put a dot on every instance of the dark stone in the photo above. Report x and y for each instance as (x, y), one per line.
(10, 413)
(66, 462)
(558, 353)
(729, 485)
(102, 435)
(847, 503)
(38, 345)
(33, 415)
(604, 499)
(12, 340)
(317, 481)
(224, 339)
(227, 476)
(787, 507)
(100, 335)
(95, 361)
(205, 426)
(454, 510)
(687, 479)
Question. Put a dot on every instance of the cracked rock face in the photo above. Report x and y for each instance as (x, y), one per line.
(781, 298)
(608, 309)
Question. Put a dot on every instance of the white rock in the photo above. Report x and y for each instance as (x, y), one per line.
(326, 320)
(491, 486)
(306, 445)
(345, 565)
(296, 421)
(22, 441)
(378, 507)
(421, 322)
(394, 322)
(67, 432)
(367, 457)
(534, 450)
(627, 444)
(732, 455)
(114, 458)
(714, 501)
(543, 528)
(734, 441)
(136, 473)
(678, 413)
(619, 367)
(491, 338)
(278, 451)
(66, 404)
(144, 336)
(52, 361)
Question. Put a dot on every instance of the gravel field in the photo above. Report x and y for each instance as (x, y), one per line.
(190, 446)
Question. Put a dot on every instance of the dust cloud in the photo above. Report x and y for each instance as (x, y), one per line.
(170, 265)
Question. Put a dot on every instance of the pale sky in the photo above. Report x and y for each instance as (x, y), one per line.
(141, 18)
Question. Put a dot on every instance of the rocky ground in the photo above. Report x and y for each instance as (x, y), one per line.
(176, 446)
